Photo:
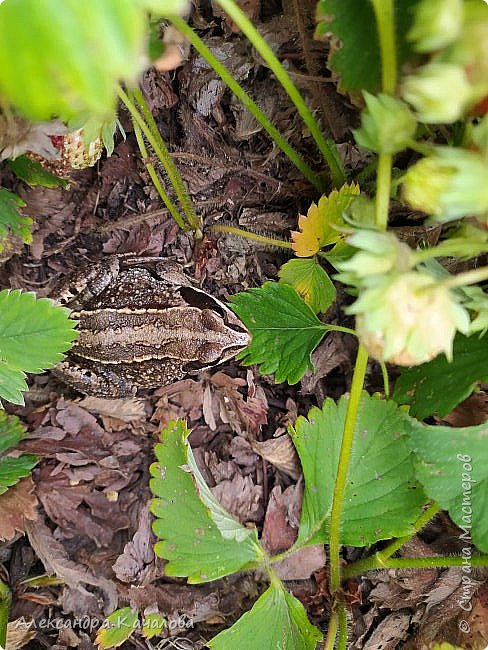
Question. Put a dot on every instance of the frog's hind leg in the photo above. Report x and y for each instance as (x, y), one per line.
(109, 383)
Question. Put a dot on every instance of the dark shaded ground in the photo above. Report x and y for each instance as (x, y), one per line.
(92, 527)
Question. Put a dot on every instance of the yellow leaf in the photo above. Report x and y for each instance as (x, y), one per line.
(324, 222)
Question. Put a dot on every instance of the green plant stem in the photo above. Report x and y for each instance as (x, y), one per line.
(327, 147)
(383, 183)
(342, 638)
(248, 102)
(163, 154)
(332, 630)
(463, 279)
(259, 239)
(449, 248)
(424, 518)
(169, 166)
(384, 12)
(343, 466)
(416, 563)
(5, 600)
(156, 180)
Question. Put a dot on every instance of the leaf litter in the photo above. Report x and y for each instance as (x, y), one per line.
(91, 526)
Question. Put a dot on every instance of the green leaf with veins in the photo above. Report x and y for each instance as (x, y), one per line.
(117, 628)
(439, 386)
(12, 469)
(452, 466)
(277, 620)
(381, 498)
(207, 543)
(11, 219)
(284, 329)
(311, 282)
(34, 174)
(33, 335)
(356, 59)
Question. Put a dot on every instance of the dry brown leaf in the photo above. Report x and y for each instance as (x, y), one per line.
(240, 497)
(243, 415)
(19, 633)
(278, 535)
(16, 505)
(281, 453)
(55, 560)
(127, 410)
(138, 552)
(471, 412)
(301, 564)
(389, 632)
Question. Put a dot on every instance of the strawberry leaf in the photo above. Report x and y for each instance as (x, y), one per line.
(284, 330)
(207, 543)
(11, 219)
(324, 222)
(13, 469)
(11, 431)
(33, 173)
(33, 335)
(452, 466)
(381, 499)
(310, 281)
(439, 386)
(117, 628)
(277, 620)
(357, 59)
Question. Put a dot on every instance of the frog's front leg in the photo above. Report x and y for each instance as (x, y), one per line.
(105, 383)
(79, 288)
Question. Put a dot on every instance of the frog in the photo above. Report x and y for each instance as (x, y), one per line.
(142, 324)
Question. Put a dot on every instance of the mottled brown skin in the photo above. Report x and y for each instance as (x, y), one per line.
(142, 324)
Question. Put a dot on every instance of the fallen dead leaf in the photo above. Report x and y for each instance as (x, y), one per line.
(301, 564)
(55, 560)
(281, 453)
(471, 412)
(278, 534)
(127, 410)
(19, 633)
(17, 505)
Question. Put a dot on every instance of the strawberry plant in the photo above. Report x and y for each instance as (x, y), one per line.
(374, 473)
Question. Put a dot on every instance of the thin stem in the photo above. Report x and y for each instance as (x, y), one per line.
(383, 183)
(422, 521)
(260, 239)
(386, 379)
(453, 247)
(385, 21)
(343, 466)
(463, 279)
(5, 600)
(332, 630)
(248, 102)
(169, 166)
(156, 180)
(327, 147)
(163, 154)
(342, 638)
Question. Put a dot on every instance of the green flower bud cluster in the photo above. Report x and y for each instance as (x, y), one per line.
(456, 77)
(403, 316)
(450, 184)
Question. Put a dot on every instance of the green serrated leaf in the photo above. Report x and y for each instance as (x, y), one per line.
(357, 59)
(381, 499)
(13, 469)
(153, 625)
(277, 620)
(95, 44)
(12, 384)
(452, 466)
(33, 173)
(439, 385)
(311, 282)
(117, 628)
(33, 332)
(203, 546)
(11, 431)
(284, 329)
(11, 220)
